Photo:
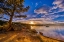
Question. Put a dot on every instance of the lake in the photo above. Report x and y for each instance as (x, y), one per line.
(56, 32)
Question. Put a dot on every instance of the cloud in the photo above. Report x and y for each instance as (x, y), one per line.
(52, 16)
(58, 4)
(44, 19)
(41, 20)
(42, 10)
(36, 20)
(36, 4)
(31, 16)
(50, 12)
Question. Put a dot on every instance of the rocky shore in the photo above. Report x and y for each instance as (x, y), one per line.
(25, 35)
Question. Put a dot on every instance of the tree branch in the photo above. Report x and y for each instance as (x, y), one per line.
(7, 13)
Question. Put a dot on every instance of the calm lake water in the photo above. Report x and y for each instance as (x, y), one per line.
(56, 32)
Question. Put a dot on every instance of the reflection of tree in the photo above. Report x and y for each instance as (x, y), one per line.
(12, 8)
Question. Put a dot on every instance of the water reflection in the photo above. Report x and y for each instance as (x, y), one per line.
(51, 31)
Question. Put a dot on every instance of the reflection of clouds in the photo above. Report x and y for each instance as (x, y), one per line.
(52, 31)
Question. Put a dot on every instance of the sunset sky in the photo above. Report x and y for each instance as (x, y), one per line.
(44, 10)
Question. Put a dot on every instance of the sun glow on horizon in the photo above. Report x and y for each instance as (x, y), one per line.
(31, 22)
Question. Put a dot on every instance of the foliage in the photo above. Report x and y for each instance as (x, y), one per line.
(2, 22)
(13, 8)
(9, 6)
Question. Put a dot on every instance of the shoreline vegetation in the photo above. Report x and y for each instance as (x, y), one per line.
(25, 34)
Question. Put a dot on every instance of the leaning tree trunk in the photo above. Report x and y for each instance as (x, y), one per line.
(10, 21)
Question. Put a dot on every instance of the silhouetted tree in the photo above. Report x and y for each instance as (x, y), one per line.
(12, 8)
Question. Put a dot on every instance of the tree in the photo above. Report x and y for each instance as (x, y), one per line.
(12, 8)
